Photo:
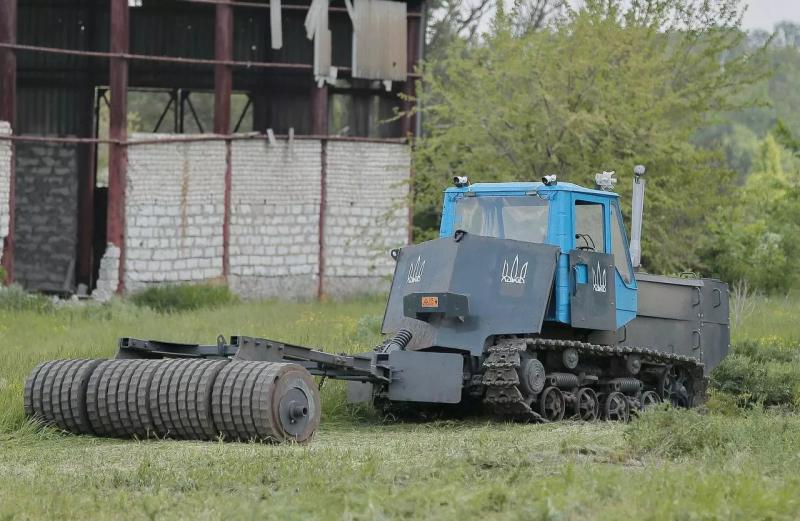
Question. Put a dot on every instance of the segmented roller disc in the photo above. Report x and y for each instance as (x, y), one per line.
(77, 396)
(287, 404)
(225, 417)
(143, 422)
(112, 397)
(184, 397)
(61, 381)
(176, 401)
(158, 397)
(125, 391)
(28, 390)
(203, 400)
(47, 391)
(241, 400)
(93, 398)
(38, 390)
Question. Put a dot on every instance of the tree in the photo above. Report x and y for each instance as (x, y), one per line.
(609, 85)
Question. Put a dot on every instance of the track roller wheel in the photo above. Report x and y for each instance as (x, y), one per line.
(617, 408)
(587, 406)
(552, 404)
(649, 400)
(286, 404)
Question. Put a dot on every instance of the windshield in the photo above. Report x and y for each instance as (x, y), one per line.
(518, 218)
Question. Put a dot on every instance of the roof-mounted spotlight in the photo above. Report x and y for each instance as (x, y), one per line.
(460, 181)
(550, 180)
(605, 181)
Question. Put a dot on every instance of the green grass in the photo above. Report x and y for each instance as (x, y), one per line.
(720, 463)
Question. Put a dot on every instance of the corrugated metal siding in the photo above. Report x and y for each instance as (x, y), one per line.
(65, 27)
(49, 111)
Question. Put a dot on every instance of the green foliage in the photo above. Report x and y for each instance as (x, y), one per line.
(604, 88)
(183, 297)
(761, 373)
(754, 237)
(674, 433)
(14, 298)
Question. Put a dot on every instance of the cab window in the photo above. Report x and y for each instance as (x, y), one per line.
(520, 218)
(621, 254)
(589, 228)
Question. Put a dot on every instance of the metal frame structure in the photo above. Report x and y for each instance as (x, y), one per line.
(121, 60)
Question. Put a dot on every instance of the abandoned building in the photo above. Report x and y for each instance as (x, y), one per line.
(164, 141)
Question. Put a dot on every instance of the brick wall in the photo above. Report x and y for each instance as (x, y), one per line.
(46, 224)
(5, 179)
(174, 212)
(367, 214)
(275, 200)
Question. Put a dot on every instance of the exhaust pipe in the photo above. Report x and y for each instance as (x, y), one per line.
(636, 215)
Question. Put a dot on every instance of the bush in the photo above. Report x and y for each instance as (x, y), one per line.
(183, 297)
(761, 372)
(678, 433)
(14, 298)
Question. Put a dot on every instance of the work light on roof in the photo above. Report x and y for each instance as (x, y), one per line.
(605, 181)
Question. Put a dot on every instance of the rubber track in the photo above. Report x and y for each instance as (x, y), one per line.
(265, 422)
(77, 396)
(93, 398)
(505, 399)
(28, 390)
(203, 403)
(59, 402)
(122, 420)
(47, 391)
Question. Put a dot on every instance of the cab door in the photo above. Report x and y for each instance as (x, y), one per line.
(591, 265)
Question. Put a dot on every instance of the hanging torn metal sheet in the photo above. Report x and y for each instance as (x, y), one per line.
(275, 24)
(379, 40)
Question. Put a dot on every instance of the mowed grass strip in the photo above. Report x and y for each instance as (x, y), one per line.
(709, 466)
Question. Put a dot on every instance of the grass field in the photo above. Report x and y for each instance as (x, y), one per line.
(722, 463)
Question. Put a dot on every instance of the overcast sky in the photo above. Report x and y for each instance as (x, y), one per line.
(763, 14)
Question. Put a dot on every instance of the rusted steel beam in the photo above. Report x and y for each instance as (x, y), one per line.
(413, 56)
(171, 59)
(197, 138)
(323, 208)
(285, 7)
(118, 130)
(223, 76)
(223, 86)
(8, 112)
(319, 110)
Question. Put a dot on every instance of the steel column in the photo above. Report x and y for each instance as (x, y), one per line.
(8, 112)
(223, 86)
(319, 127)
(413, 55)
(319, 110)
(118, 131)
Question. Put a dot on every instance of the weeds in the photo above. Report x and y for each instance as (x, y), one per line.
(183, 297)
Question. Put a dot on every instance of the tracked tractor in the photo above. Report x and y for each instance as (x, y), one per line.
(529, 306)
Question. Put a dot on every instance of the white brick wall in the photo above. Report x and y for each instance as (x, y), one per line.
(275, 201)
(175, 203)
(5, 179)
(175, 214)
(367, 214)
